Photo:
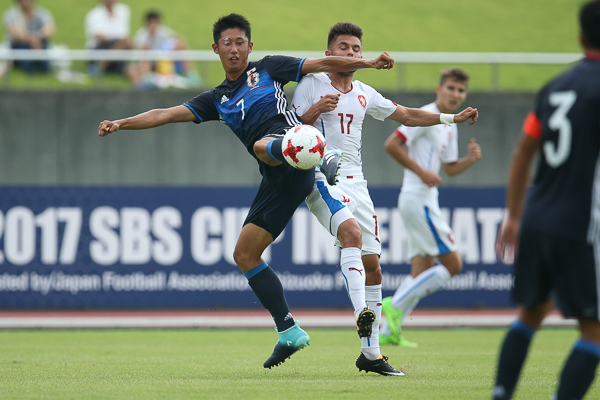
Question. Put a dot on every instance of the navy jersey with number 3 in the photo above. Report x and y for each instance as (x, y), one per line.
(566, 120)
(254, 105)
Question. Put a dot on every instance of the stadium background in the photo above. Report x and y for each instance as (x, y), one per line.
(62, 184)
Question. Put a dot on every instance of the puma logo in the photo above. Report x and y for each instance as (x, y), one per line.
(356, 269)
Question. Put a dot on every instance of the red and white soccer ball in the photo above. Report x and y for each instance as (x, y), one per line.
(303, 146)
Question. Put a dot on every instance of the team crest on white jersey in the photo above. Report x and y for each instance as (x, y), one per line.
(362, 100)
(253, 77)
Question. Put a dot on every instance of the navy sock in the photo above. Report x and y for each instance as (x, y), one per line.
(274, 150)
(512, 357)
(579, 371)
(267, 287)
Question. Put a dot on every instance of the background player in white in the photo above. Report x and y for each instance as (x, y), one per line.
(337, 106)
(429, 236)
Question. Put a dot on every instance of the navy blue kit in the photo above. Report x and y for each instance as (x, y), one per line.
(255, 106)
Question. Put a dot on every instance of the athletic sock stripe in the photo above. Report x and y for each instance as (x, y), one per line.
(587, 347)
(522, 328)
(254, 271)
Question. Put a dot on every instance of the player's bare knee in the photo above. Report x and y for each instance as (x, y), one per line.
(349, 234)
(244, 260)
(452, 262)
(260, 150)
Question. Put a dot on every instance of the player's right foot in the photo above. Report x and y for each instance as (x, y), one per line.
(379, 366)
(330, 165)
(364, 322)
(290, 341)
(393, 316)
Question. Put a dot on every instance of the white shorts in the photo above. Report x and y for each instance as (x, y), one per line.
(427, 232)
(349, 198)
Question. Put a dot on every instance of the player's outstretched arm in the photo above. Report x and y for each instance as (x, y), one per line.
(418, 117)
(346, 64)
(148, 119)
(394, 145)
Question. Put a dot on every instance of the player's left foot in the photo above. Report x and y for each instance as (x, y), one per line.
(364, 322)
(290, 341)
(330, 165)
(379, 366)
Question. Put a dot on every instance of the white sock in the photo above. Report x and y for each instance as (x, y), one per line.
(354, 274)
(370, 345)
(430, 281)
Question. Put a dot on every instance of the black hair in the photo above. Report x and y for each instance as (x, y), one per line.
(344, 28)
(231, 21)
(153, 14)
(589, 22)
(454, 73)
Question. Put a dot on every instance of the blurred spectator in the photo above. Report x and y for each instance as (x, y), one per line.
(29, 26)
(107, 27)
(165, 72)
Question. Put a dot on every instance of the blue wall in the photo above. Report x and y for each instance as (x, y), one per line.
(77, 247)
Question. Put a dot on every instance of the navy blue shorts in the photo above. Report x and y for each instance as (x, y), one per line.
(281, 191)
(551, 266)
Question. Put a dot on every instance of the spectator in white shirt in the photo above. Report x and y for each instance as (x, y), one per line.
(107, 26)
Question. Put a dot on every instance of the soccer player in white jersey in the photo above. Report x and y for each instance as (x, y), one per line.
(337, 105)
(429, 235)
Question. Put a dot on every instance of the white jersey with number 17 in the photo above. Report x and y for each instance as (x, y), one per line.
(342, 127)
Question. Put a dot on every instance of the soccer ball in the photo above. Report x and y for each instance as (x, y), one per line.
(303, 147)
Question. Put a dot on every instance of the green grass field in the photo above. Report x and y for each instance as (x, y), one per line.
(435, 25)
(227, 364)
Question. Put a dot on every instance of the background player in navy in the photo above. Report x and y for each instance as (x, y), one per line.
(558, 237)
(252, 103)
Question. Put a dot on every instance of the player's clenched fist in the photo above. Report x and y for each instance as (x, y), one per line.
(384, 61)
(328, 103)
(466, 114)
(107, 127)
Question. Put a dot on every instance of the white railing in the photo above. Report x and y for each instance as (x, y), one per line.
(208, 55)
(493, 59)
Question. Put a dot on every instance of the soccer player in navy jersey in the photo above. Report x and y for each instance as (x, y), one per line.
(252, 103)
(557, 235)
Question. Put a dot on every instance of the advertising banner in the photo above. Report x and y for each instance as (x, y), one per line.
(171, 247)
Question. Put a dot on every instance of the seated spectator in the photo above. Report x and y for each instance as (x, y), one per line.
(29, 26)
(107, 27)
(156, 36)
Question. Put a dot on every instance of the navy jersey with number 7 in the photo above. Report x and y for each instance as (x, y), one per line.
(254, 105)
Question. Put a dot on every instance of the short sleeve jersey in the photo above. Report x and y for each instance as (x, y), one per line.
(114, 25)
(429, 147)
(566, 120)
(342, 127)
(254, 105)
